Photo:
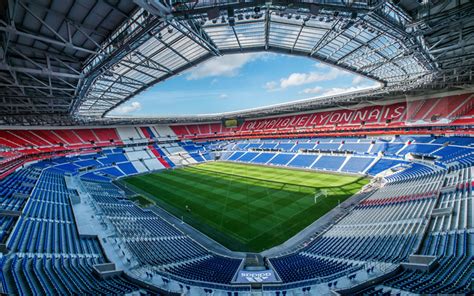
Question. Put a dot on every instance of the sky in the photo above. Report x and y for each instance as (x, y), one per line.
(242, 81)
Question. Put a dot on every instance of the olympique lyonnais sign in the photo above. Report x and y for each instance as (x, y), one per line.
(372, 114)
(248, 277)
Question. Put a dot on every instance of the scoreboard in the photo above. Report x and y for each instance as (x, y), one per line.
(230, 123)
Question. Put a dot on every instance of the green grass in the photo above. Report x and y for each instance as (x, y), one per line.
(245, 207)
(142, 201)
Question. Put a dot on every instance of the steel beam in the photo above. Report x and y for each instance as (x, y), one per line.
(6, 67)
(12, 30)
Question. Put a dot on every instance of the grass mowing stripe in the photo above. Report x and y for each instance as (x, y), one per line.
(201, 187)
(240, 205)
(301, 176)
(179, 212)
(226, 203)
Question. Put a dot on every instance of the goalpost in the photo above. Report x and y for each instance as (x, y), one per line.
(319, 193)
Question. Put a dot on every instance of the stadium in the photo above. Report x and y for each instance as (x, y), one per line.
(365, 192)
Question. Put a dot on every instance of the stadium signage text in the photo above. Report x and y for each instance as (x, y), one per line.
(266, 276)
(372, 114)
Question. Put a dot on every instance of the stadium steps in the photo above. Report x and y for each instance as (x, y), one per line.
(462, 105)
(42, 138)
(342, 260)
(25, 141)
(376, 159)
(272, 158)
(370, 148)
(435, 151)
(145, 165)
(156, 151)
(419, 105)
(401, 149)
(316, 160)
(294, 156)
(185, 262)
(428, 112)
(120, 170)
(344, 163)
(427, 227)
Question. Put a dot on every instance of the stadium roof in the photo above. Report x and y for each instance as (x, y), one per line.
(78, 60)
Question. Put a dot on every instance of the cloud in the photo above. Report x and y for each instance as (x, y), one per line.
(125, 109)
(223, 96)
(227, 65)
(357, 80)
(271, 85)
(324, 73)
(296, 79)
(314, 90)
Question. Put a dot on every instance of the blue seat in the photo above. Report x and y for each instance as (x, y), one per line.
(281, 159)
(357, 164)
(331, 163)
(303, 160)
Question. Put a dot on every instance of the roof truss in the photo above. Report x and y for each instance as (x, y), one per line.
(75, 61)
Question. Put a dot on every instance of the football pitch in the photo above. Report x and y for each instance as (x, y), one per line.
(246, 207)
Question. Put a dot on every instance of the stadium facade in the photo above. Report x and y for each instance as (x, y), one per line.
(67, 226)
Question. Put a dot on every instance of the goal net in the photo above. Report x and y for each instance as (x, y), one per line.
(319, 194)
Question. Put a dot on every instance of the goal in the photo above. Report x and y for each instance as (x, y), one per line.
(320, 193)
